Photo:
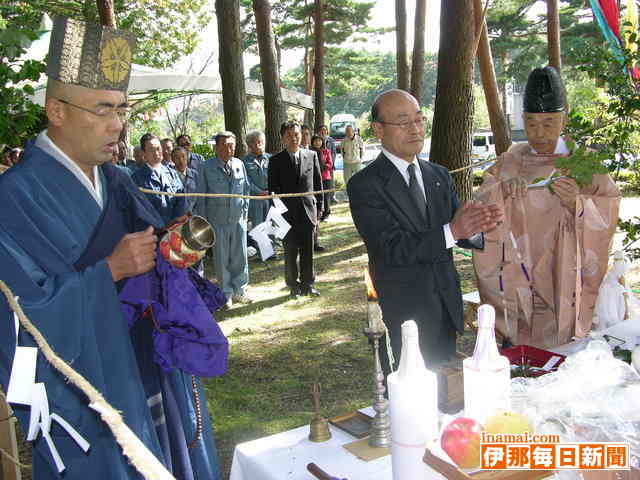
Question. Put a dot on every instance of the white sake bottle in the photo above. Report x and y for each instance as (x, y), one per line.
(487, 376)
(413, 409)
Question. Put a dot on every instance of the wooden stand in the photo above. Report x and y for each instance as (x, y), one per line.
(8, 443)
(472, 302)
(452, 473)
(450, 385)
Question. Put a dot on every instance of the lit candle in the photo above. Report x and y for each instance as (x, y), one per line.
(374, 314)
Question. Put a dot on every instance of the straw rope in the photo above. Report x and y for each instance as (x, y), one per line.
(14, 460)
(10, 418)
(237, 195)
(137, 453)
(281, 195)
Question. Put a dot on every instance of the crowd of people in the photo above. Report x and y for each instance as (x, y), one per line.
(76, 232)
(169, 166)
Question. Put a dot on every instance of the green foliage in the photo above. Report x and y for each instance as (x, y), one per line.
(477, 177)
(292, 22)
(166, 30)
(632, 229)
(204, 149)
(204, 121)
(582, 164)
(355, 77)
(610, 122)
(480, 111)
(517, 42)
(20, 117)
(518, 38)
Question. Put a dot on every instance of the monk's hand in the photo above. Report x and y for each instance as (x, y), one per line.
(475, 217)
(135, 254)
(515, 187)
(567, 190)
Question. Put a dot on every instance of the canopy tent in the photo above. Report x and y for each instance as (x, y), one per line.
(149, 87)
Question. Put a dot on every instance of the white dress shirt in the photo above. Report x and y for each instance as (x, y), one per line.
(45, 143)
(403, 168)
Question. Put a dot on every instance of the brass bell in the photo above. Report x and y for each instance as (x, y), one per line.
(319, 429)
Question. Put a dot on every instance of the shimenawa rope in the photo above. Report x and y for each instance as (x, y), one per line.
(282, 195)
(140, 457)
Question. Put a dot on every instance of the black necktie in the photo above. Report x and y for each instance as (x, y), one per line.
(227, 169)
(415, 191)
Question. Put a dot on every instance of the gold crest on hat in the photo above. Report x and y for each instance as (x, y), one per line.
(90, 55)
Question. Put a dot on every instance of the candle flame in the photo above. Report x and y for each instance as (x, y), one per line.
(372, 296)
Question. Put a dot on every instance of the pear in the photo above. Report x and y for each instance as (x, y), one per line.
(507, 422)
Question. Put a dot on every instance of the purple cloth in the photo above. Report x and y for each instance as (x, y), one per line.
(180, 304)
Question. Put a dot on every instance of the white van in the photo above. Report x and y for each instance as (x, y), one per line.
(338, 127)
(483, 146)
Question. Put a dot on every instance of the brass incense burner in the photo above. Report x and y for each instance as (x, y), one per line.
(197, 233)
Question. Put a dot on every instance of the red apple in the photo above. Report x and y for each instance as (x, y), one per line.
(461, 441)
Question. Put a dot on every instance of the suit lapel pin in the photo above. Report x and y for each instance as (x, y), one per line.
(437, 184)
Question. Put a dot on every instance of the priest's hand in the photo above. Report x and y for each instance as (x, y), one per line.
(567, 190)
(515, 187)
(475, 217)
(135, 254)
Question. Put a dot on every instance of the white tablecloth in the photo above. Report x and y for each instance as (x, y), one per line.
(285, 456)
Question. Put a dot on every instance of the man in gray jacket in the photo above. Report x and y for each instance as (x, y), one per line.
(226, 174)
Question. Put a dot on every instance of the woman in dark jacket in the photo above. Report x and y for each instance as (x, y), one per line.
(326, 165)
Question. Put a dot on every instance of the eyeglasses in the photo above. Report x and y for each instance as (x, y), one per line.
(418, 122)
(102, 111)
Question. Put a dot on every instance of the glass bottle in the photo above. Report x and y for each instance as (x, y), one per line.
(487, 375)
(413, 409)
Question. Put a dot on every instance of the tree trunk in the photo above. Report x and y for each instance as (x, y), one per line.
(417, 64)
(499, 126)
(107, 15)
(274, 113)
(309, 61)
(502, 86)
(453, 115)
(279, 56)
(234, 97)
(553, 34)
(318, 70)
(402, 60)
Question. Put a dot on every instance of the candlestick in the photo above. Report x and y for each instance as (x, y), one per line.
(380, 426)
(374, 317)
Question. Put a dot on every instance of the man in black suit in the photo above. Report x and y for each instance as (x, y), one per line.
(296, 170)
(408, 214)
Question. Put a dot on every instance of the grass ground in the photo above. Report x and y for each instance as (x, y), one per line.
(280, 347)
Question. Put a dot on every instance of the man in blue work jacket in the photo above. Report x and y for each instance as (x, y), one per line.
(226, 174)
(257, 164)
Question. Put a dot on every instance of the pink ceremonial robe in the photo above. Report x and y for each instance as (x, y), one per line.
(542, 267)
